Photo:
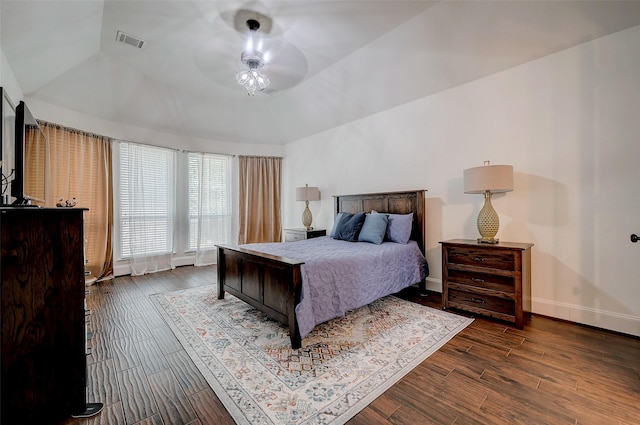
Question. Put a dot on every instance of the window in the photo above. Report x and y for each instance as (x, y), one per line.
(171, 203)
(209, 200)
(147, 199)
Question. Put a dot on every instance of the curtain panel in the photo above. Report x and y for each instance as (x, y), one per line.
(79, 166)
(260, 199)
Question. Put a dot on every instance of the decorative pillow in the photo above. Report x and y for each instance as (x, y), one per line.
(374, 228)
(335, 224)
(349, 227)
(399, 227)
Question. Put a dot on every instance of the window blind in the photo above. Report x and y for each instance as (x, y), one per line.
(147, 199)
(209, 200)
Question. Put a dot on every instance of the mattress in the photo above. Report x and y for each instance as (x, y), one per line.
(338, 276)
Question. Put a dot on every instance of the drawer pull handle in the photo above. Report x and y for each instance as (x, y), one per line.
(475, 279)
(478, 300)
(480, 259)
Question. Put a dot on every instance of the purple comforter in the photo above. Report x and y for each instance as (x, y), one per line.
(338, 276)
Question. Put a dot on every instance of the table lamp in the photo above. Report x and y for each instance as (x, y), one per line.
(307, 194)
(488, 179)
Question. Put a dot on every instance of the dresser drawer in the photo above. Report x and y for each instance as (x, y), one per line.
(494, 259)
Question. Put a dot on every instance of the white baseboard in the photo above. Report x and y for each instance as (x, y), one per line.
(121, 270)
(434, 285)
(617, 322)
(609, 320)
(122, 267)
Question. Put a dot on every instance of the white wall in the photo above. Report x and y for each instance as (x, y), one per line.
(569, 125)
(12, 91)
(8, 79)
(74, 119)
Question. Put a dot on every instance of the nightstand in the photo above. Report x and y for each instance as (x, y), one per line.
(292, 235)
(488, 279)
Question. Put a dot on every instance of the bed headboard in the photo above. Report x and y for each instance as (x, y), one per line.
(392, 203)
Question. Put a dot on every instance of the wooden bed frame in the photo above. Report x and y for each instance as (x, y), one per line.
(272, 284)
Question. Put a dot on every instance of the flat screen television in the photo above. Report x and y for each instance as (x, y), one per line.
(7, 134)
(28, 185)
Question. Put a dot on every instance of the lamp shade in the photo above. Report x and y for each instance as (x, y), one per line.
(494, 178)
(307, 193)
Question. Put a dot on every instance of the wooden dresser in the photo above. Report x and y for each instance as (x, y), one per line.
(292, 235)
(42, 295)
(488, 279)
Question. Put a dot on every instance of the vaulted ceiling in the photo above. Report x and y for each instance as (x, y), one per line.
(330, 61)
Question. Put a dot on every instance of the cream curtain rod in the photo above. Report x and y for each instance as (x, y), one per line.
(210, 153)
(115, 140)
(173, 149)
(144, 144)
(261, 156)
(73, 130)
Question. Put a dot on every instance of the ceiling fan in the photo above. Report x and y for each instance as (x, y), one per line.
(255, 51)
(252, 78)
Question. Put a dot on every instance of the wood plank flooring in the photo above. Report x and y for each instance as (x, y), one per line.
(550, 372)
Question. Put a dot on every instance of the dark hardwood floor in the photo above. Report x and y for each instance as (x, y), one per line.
(550, 372)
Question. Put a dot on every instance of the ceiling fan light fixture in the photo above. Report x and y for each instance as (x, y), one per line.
(251, 78)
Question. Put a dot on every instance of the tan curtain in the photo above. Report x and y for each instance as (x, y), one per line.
(260, 199)
(79, 166)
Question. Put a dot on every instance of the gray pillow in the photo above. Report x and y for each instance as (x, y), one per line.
(374, 228)
(349, 227)
(399, 227)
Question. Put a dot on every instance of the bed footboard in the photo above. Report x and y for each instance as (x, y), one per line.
(269, 283)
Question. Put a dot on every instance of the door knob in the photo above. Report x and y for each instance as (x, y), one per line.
(635, 238)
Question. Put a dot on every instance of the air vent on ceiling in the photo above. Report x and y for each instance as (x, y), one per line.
(129, 39)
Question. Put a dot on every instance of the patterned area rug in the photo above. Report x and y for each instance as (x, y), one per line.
(343, 366)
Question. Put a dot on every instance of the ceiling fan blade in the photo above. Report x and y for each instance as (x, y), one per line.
(287, 65)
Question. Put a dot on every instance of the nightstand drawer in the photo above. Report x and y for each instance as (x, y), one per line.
(468, 256)
(482, 303)
(483, 280)
(292, 237)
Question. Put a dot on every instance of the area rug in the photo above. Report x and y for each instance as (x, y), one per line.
(343, 365)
